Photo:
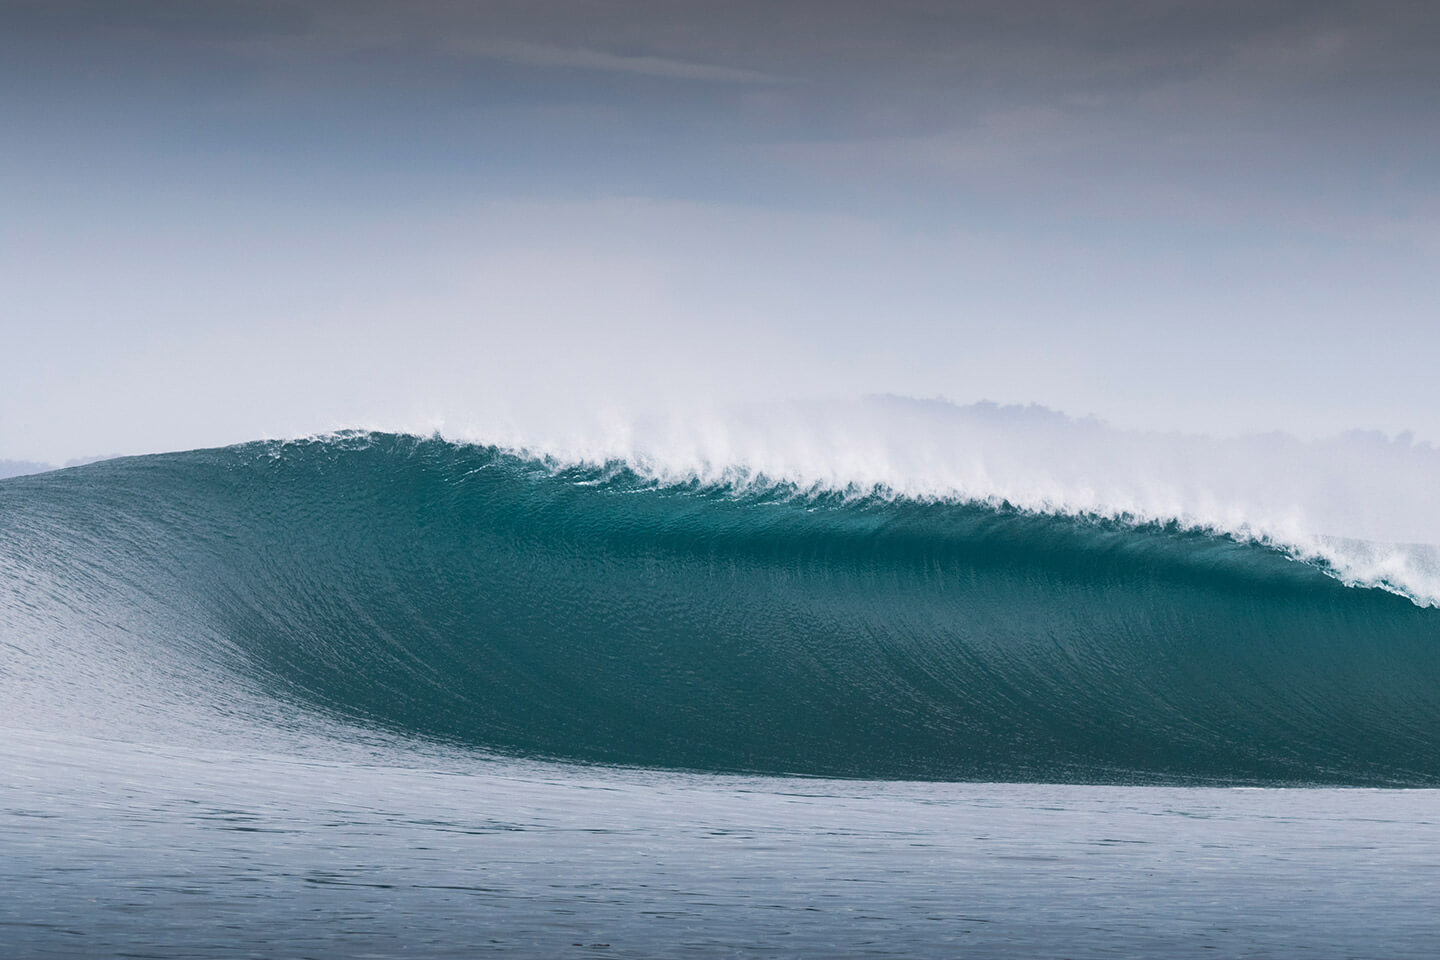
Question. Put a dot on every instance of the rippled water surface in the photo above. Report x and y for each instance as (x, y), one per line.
(120, 850)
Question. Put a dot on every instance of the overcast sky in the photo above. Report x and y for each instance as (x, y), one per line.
(221, 221)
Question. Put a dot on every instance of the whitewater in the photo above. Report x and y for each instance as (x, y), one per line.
(1360, 503)
(875, 678)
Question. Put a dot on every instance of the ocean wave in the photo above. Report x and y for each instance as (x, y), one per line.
(620, 612)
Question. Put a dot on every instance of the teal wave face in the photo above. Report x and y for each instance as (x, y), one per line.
(467, 594)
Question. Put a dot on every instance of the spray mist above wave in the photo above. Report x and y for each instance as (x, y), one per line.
(1360, 504)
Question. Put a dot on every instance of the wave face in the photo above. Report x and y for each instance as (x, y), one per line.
(476, 596)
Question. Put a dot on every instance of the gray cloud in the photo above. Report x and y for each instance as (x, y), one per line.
(1214, 215)
(579, 58)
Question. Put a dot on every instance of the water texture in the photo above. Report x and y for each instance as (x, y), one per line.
(471, 596)
(379, 695)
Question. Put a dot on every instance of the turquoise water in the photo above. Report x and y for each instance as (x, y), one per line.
(380, 695)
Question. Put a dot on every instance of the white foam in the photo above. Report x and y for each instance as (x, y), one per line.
(1363, 504)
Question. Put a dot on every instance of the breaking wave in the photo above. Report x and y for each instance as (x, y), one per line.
(731, 618)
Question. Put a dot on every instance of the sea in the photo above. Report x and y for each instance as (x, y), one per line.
(384, 694)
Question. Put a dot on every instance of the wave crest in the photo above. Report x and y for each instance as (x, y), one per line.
(1360, 505)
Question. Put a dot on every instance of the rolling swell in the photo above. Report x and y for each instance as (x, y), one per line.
(472, 595)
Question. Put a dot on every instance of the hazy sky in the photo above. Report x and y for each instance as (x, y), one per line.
(226, 220)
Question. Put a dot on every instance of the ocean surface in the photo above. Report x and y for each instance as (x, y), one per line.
(385, 695)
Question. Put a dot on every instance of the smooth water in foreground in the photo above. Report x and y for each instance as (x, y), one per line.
(122, 850)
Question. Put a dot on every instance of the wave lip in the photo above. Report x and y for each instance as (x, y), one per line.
(604, 613)
(1360, 504)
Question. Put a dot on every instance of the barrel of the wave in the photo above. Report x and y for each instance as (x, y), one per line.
(472, 595)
